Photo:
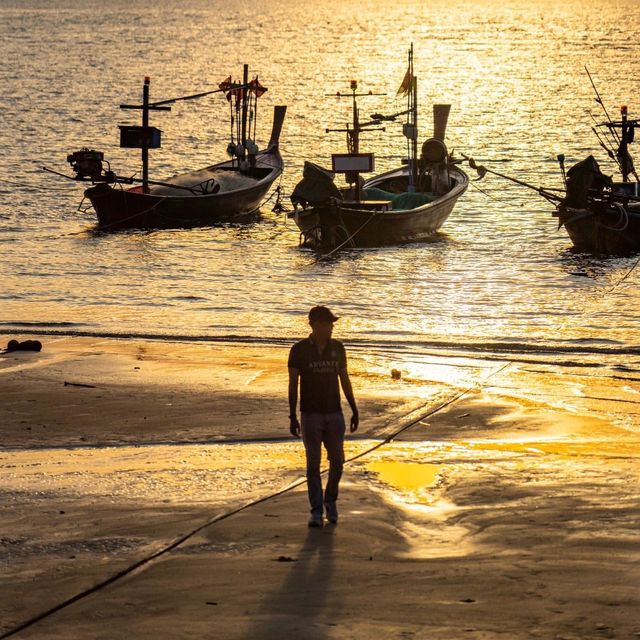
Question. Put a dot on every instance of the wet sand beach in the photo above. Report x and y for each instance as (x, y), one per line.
(511, 512)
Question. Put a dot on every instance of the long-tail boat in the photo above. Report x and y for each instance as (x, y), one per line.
(408, 203)
(601, 215)
(219, 192)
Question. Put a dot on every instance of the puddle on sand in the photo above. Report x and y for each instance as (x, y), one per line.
(413, 486)
(410, 478)
(412, 472)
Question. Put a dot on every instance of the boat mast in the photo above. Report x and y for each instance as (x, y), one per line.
(145, 124)
(413, 113)
(623, 149)
(245, 95)
(143, 137)
(354, 134)
(625, 137)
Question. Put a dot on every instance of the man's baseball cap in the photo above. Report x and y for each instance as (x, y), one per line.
(321, 314)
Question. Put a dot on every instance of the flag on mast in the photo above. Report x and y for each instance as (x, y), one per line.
(230, 88)
(256, 88)
(407, 83)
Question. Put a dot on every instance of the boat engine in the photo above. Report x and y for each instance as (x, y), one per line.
(87, 165)
(433, 167)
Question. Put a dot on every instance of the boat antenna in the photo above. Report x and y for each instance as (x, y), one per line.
(604, 138)
(601, 103)
(255, 113)
(622, 157)
(602, 143)
(356, 127)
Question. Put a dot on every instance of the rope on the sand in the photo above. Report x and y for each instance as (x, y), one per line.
(223, 516)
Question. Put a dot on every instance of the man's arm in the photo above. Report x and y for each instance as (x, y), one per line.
(347, 389)
(294, 424)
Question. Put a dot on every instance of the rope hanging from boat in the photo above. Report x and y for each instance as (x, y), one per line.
(238, 123)
(350, 238)
(254, 110)
(623, 217)
(231, 148)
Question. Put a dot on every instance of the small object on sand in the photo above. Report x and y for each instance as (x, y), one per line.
(26, 345)
(463, 415)
(79, 384)
(468, 600)
(211, 603)
(396, 374)
(285, 559)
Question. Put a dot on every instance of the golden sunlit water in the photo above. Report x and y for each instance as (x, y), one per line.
(492, 482)
(500, 273)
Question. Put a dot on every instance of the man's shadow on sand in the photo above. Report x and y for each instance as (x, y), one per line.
(304, 595)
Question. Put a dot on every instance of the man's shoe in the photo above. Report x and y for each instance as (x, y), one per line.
(316, 521)
(332, 512)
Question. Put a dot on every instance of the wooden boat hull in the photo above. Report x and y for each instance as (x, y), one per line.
(610, 232)
(118, 208)
(331, 225)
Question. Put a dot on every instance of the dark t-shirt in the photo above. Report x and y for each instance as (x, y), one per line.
(319, 386)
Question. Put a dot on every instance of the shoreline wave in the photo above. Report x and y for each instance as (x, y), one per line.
(407, 346)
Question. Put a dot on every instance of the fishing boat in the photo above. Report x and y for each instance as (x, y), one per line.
(408, 203)
(601, 215)
(225, 191)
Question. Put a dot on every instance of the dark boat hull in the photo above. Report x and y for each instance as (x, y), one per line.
(332, 225)
(614, 231)
(118, 208)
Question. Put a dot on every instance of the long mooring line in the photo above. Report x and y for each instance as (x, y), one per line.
(252, 503)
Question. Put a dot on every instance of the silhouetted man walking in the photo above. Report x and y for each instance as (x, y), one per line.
(320, 363)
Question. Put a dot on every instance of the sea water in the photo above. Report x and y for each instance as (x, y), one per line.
(500, 276)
